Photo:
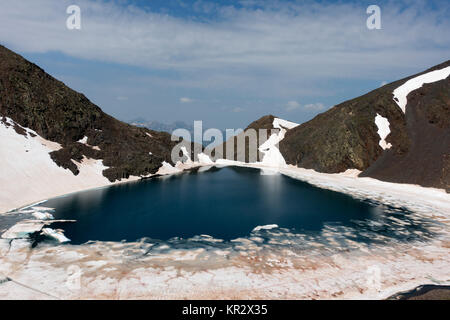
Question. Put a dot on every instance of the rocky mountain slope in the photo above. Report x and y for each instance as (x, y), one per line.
(416, 150)
(402, 137)
(229, 149)
(33, 99)
(54, 141)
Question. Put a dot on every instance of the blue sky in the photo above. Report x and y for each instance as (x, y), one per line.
(226, 62)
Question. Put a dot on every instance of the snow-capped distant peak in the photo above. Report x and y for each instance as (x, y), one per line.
(401, 93)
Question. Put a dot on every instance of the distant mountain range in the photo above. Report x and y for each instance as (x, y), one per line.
(160, 126)
(169, 128)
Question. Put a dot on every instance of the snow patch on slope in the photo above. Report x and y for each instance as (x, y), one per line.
(278, 123)
(84, 140)
(204, 159)
(167, 168)
(186, 154)
(272, 155)
(29, 174)
(383, 131)
(401, 93)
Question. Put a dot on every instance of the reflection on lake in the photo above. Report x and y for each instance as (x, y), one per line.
(229, 203)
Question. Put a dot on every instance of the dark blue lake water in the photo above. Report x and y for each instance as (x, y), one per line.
(224, 203)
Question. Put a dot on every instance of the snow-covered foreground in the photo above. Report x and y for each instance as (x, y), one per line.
(29, 175)
(271, 263)
(245, 269)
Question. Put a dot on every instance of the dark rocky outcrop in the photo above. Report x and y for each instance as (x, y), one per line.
(427, 160)
(345, 137)
(36, 100)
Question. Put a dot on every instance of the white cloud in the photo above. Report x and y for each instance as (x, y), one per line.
(383, 83)
(267, 50)
(314, 107)
(306, 39)
(186, 100)
(238, 109)
(292, 105)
